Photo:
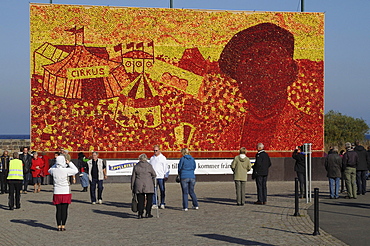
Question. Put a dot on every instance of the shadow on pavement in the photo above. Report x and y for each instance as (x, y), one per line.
(229, 239)
(4, 207)
(117, 204)
(41, 202)
(116, 214)
(33, 223)
(264, 212)
(80, 201)
(225, 201)
(294, 232)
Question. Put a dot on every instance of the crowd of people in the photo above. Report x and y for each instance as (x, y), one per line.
(352, 165)
(150, 175)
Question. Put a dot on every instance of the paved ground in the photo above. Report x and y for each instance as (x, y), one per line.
(217, 222)
(348, 220)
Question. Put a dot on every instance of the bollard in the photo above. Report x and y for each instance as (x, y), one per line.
(316, 212)
(296, 212)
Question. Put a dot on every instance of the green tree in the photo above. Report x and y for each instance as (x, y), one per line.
(340, 129)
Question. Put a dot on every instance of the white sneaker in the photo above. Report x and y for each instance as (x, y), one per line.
(93, 203)
(100, 201)
(154, 206)
(162, 206)
(185, 209)
(196, 208)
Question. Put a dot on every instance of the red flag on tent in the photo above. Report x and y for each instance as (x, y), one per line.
(118, 47)
(140, 45)
(130, 45)
(81, 30)
(151, 44)
(72, 30)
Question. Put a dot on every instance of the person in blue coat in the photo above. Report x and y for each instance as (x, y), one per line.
(186, 169)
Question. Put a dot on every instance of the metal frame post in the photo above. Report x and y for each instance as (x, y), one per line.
(310, 169)
(308, 164)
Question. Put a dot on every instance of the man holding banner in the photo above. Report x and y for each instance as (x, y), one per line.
(160, 166)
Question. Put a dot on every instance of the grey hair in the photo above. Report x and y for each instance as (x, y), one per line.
(143, 157)
(335, 149)
(94, 152)
(348, 145)
(260, 145)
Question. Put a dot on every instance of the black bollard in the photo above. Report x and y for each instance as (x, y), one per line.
(316, 212)
(296, 212)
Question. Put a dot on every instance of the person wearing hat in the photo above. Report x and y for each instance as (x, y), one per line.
(15, 180)
(62, 196)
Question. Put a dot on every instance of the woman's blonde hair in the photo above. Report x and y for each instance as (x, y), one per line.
(143, 157)
(185, 151)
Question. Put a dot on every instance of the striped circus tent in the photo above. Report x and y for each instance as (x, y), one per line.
(84, 74)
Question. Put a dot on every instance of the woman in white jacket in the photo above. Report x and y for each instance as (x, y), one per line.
(62, 194)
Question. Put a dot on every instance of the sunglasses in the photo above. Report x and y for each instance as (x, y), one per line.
(155, 150)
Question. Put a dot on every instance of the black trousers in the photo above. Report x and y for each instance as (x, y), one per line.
(361, 182)
(261, 182)
(141, 202)
(3, 182)
(62, 213)
(15, 187)
(302, 183)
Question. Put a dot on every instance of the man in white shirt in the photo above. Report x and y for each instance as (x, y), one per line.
(159, 163)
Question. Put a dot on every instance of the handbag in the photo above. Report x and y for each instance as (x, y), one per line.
(178, 179)
(134, 203)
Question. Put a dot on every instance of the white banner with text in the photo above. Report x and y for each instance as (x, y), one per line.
(204, 166)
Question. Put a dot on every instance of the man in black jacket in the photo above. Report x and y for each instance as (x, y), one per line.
(260, 172)
(300, 168)
(350, 162)
(26, 158)
(362, 168)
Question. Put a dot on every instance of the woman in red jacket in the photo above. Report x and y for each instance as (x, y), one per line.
(46, 159)
(37, 171)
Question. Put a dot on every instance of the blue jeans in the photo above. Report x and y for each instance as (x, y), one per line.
(93, 184)
(187, 186)
(162, 189)
(334, 187)
(26, 180)
(84, 179)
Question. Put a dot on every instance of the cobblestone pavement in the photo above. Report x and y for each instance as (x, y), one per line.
(217, 222)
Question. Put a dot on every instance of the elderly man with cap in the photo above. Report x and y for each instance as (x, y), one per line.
(62, 194)
(350, 162)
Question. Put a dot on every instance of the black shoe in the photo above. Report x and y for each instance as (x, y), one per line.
(149, 216)
(140, 216)
(11, 208)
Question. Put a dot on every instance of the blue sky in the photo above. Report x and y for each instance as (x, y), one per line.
(347, 52)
